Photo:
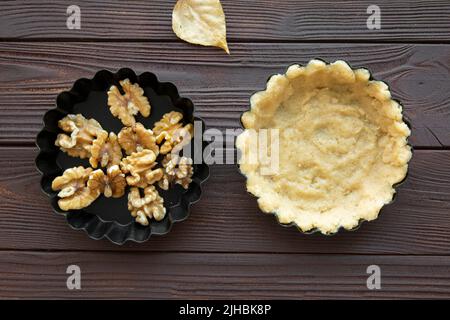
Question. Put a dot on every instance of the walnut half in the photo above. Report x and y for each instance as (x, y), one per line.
(74, 192)
(151, 205)
(140, 165)
(170, 129)
(126, 106)
(137, 138)
(176, 170)
(106, 150)
(82, 134)
(111, 184)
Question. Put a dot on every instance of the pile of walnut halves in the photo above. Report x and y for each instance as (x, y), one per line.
(128, 158)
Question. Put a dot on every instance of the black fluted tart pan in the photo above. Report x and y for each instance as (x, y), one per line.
(315, 230)
(107, 217)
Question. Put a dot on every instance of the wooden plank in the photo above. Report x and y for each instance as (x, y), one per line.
(220, 85)
(227, 219)
(220, 276)
(291, 20)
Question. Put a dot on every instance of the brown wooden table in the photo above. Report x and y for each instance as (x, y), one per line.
(227, 248)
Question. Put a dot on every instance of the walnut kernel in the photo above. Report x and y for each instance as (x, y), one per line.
(140, 165)
(137, 138)
(74, 192)
(126, 106)
(147, 207)
(106, 150)
(111, 184)
(170, 129)
(82, 133)
(176, 170)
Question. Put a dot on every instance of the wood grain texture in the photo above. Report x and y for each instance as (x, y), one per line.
(227, 249)
(291, 20)
(227, 219)
(220, 276)
(220, 85)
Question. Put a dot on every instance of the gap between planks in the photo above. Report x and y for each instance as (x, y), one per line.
(256, 253)
(229, 41)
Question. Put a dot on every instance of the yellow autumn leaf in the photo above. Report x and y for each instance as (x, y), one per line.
(200, 22)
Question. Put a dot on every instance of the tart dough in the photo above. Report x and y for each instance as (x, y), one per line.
(342, 146)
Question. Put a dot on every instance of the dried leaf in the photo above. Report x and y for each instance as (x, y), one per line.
(200, 22)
